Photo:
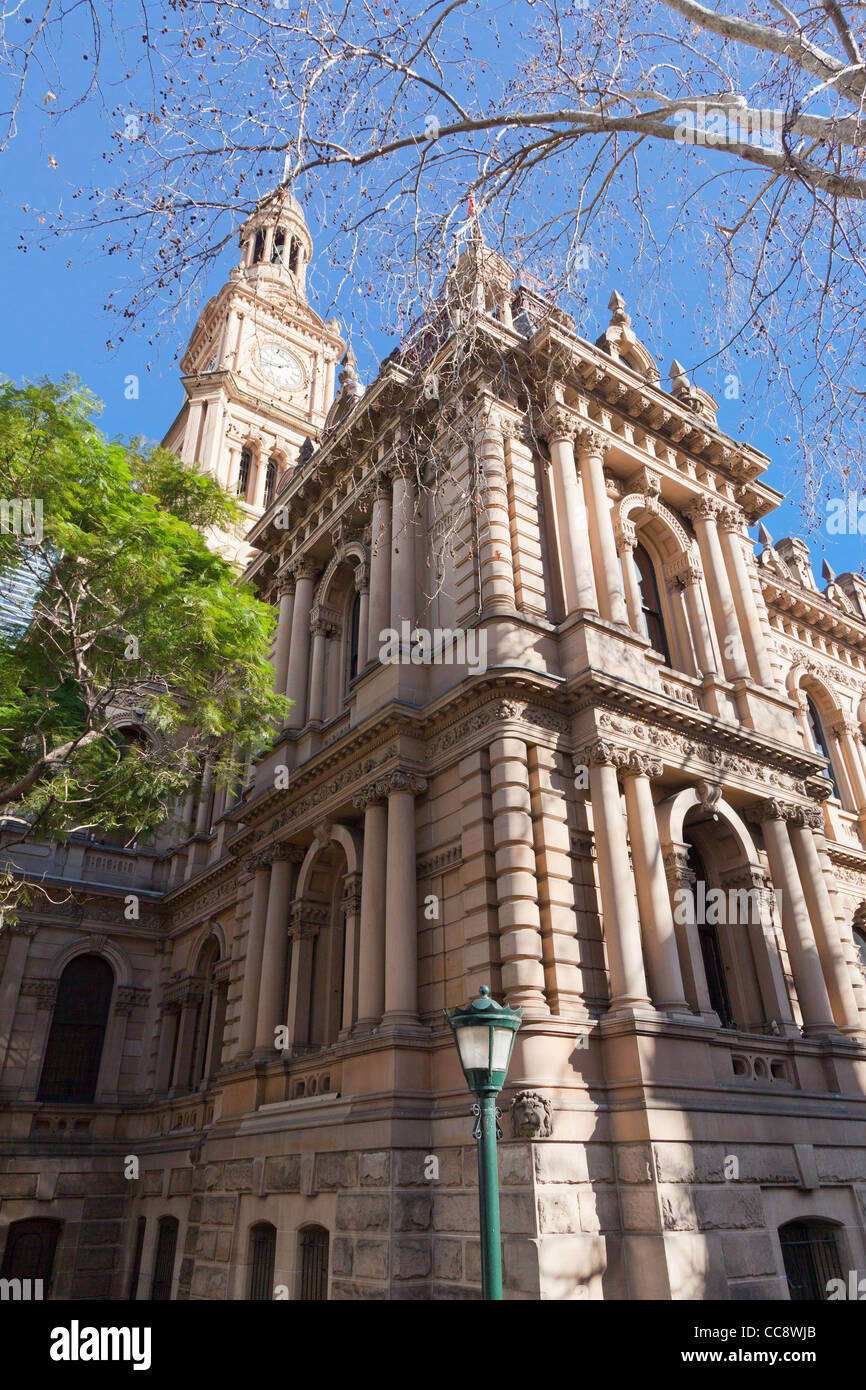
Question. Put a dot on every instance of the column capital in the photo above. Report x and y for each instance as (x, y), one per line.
(592, 441)
(559, 425)
(254, 862)
(307, 919)
(304, 567)
(641, 765)
(703, 509)
(367, 796)
(842, 722)
(401, 780)
(285, 585)
(676, 866)
(807, 817)
(362, 578)
(683, 571)
(731, 519)
(624, 535)
(324, 621)
(23, 928)
(770, 809)
(283, 853)
(351, 899)
(604, 753)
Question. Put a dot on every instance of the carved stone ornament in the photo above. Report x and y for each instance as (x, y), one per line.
(531, 1116)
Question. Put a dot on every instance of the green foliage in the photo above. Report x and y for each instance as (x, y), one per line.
(116, 613)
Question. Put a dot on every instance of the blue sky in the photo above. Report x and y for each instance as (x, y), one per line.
(56, 320)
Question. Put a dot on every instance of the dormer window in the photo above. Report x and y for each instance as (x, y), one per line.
(278, 246)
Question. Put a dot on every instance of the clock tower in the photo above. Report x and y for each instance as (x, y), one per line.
(259, 369)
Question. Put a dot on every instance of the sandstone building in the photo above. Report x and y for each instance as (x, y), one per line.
(615, 714)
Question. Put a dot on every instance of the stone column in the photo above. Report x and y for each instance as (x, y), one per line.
(703, 515)
(666, 980)
(815, 1007)
(286, 593)
(351, 906)
(847, 731)
(362, 587)
(202, 818)
(186, 1036)
(304, 571)
(111, 1061)
(680, 882)
(691, 578)
(308, 918)
(830, 950)
(496, 563)
(272, 990)
(259, 867)
(403, 596)
(261, 476)
(380, 569)
(371, 950)
(592, 446)
(401, 924)
(520, 942)
(168, 1025)
(730, 526)
(561, 426)
(761, 931)
(628, 986)
(321, 630)
(554, 868)
(21, 933)
(625, 544)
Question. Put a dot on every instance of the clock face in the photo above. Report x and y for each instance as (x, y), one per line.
(279, 367)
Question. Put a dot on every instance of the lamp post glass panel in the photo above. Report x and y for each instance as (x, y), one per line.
(484, 1032)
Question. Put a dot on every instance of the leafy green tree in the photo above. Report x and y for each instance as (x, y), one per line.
(116, 615)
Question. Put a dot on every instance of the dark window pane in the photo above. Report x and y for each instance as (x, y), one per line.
(71, 1067)
(163, 1264)
(811, 1257)
(651, 609)
(263, 1249)
(314, 1264)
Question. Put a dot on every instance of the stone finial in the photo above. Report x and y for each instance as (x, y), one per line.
(680, 384)
(306, 451)
(828, 573)
(764, 537)
(618, 316)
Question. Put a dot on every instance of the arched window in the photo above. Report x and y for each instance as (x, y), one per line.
(278, 246)
(819, 738)
(354, 629)
(244, 468)
(30, 1248)
(811, 1255)
(860, 943)
(651, 609)
(259, 247)
(207, 1036)
(70, 1070)
(270, 481)
(294, 250)
(711, 950)
(163, 1262)
(263, 1250)
(313, 1283)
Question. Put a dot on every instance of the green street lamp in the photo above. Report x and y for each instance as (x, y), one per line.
(484, 1032)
